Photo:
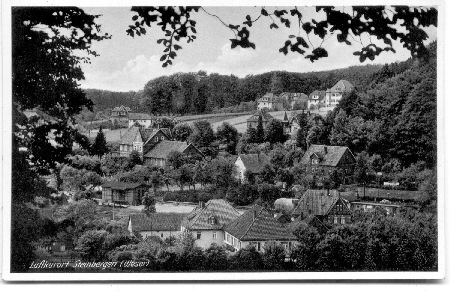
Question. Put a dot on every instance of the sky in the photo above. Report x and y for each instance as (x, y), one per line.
(127, 64)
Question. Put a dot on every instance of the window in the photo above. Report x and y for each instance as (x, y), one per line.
(240, 244)
(335, 220)
(162, 234)
(259, 246)
(162, 137)
(199, 234)
(342, 220)
(156, 138)
(214, 235)
(62, 248)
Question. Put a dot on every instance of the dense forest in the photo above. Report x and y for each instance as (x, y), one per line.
(196, 93)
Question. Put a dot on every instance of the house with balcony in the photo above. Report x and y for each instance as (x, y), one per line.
(252, 121)
(120, 113)
(335, 93)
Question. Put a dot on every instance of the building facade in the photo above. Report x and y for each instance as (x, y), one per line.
(270, 101)
(252, 164)
(142, 119)
(335, 93)
(122, 192)
(206, 222)
(162, 225)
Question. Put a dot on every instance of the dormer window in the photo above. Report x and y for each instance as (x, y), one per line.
(212, 220)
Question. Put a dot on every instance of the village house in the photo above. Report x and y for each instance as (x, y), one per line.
(120, 113)
(140, 139)
(206, 222)
(315, 98)
(252, 121)
(158, 154)
(270, 101)
(368, 206)
(256, 227)
(286, 124)
(250, 164)
(142, 119)
(294, 100)
(123, 192)
(335, 93)
(322, 159)
(326, 205)
(162, 225)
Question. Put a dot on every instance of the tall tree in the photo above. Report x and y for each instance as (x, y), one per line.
(44, 77)
(274, 132)
(259, 134)
(228, 135)
(99, 147)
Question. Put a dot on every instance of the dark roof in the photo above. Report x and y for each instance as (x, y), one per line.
(263, 113)
(136, 133)
(318, 201)
(156, 221)
(162, 149)
(122, 185)
(331, 157)
(139, 116)
(257, 224)
(131, 135)
(219, 209)
(341, 86)
(254, 162)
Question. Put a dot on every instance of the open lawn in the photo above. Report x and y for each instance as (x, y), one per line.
(240, 122)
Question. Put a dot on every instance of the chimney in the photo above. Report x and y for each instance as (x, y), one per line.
(254, 214)
(325, 149)
(201, 204)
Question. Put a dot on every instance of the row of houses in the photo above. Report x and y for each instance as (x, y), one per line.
(220, 223)
(153, 145)
(328, 98)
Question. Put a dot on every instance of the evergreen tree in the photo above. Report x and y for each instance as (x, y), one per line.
(302, 132)
(259, 135)
(99, 147)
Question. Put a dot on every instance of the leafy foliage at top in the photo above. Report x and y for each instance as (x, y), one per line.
(386, 23)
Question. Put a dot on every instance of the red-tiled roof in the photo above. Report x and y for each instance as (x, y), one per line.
(254, 162)
(328, 155)
(214, 215)
(156, 221)
(257, 224)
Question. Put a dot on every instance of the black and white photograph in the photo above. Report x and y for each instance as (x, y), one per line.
(265, 141)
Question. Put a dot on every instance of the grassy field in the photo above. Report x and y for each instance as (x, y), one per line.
(238, 120)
